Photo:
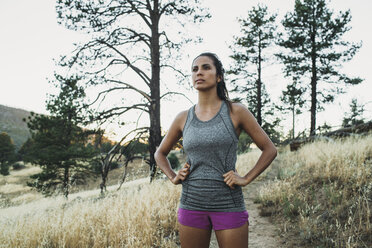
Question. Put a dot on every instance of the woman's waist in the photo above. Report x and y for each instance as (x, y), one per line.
(207, 185)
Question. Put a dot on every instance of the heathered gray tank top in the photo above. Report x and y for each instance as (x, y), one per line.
(211, 151)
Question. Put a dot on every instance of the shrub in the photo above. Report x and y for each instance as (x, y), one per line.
(173, 160)
(18, 165)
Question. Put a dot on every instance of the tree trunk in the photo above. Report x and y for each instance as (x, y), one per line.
(313, 78)
(259, 84)
(104, 173)
(293, 121)
(155, 131)
(66, 182)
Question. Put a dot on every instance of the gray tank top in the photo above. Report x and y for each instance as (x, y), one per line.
(211, 151)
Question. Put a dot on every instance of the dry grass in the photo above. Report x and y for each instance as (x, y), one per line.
(11, 188)
(323, 193)
(14, 186)
(142, 216)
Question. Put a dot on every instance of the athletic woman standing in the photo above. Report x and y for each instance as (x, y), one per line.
(211, 187)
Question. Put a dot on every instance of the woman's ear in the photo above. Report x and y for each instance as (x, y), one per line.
(218, 79)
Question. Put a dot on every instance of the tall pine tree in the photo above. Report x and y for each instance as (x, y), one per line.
(293, 99)
(59, 143)
(248, 55)
(315, 50)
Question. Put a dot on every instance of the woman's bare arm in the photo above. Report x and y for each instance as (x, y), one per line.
(173, 135)
(248, 123)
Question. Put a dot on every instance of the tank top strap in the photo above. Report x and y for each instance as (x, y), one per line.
(225, 115)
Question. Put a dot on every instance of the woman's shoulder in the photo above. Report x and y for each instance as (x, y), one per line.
(181, 117)
(183, 114)
(240, 111)
(238, 107)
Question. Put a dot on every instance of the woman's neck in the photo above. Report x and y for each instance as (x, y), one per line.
(206, 100)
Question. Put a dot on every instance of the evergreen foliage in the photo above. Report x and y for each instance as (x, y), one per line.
(7, 154)
(293, 100)
(314, 51)
(355, 116)
(248, 55)
(59, 144)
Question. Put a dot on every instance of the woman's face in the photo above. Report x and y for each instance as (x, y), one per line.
(204, 73)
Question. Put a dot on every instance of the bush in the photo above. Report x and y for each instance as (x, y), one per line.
(173, 160)
(18, 165)
(4, 169)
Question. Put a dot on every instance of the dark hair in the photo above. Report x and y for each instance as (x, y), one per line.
(222, 92)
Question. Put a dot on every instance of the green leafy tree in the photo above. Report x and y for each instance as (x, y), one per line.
(7, 154)
(248, 56)
(293, 100)
(59, 143)
(355, 116)
(129, 39)
(315, 49)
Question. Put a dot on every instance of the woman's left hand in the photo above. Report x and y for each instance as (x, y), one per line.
(233, 178)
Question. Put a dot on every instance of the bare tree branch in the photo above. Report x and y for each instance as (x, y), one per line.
(140, 73)
(141, 14)
(125, 170)
(107, 160)
(132, 87)
(176, 93)
(112, 62)
(177, 70)
(107, 91)
(111, 112)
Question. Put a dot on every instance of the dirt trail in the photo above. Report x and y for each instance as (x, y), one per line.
(261, 232)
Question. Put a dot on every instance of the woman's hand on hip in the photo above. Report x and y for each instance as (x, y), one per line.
(232, 178)
(182, 174)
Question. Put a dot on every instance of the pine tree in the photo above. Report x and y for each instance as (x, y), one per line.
(293, 101)
(315, 50)
(355, 116)
(7, 154)
(59, 143)
(248, 55)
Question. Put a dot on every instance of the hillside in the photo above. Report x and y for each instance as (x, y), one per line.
(11, 123)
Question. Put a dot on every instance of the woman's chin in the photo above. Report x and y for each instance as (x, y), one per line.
(201, 87)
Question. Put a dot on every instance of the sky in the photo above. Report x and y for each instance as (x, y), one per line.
(31, 39)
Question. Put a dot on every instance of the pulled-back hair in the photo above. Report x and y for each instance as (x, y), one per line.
(222, 92)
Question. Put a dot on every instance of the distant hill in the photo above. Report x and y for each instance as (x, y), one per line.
(11, 123)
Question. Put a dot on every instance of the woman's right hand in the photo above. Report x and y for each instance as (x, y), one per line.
(182, 174)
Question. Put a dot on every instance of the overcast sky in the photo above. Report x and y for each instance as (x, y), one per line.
(31, 39)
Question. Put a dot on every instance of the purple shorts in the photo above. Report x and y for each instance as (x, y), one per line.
(217, 220)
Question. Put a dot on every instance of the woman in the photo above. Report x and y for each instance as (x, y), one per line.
(211, 187)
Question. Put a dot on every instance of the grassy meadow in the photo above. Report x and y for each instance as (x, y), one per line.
(319, 196)
(322, 196)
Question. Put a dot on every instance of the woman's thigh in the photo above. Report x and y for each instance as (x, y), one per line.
(236, 237)
(192, 237)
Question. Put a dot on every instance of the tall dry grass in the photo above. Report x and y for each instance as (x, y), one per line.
(323, 193)
(143, 216)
